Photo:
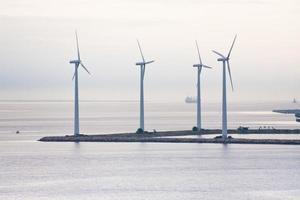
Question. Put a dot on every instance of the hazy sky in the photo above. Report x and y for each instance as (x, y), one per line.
(37, 41)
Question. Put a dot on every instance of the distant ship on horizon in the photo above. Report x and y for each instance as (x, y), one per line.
(294, 100)
(190, 99)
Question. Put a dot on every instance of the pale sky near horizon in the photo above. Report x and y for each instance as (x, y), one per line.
(37, 41)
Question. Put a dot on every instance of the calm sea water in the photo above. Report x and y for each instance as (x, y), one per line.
(56, 118)
(134, 171)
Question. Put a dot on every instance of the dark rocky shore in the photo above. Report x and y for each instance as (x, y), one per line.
(164, 137)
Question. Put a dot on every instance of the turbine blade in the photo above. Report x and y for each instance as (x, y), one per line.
(198, 52)
(140, 50)
(73, 76)
(207, 66)
(228, 66)
(85, 68)
(78, 54)
(231, 46)
(218, 53)
(149, 62)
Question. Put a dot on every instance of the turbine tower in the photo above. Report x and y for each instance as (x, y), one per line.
(225, 61)
(143, 67)
(199, 68)
(77, 63)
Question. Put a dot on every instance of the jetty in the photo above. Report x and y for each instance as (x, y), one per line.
(181, 137)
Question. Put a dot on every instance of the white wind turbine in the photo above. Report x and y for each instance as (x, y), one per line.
(199, 68)
(143, 67)
(225, 61)
(76, 104)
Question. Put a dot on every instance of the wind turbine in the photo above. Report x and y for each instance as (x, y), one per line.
(143, 67)
(77, 63)
(225, 61)
(199, 68)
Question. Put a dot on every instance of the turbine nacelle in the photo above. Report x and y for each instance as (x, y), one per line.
(140, 63)
(75, 61)
(222, 59)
